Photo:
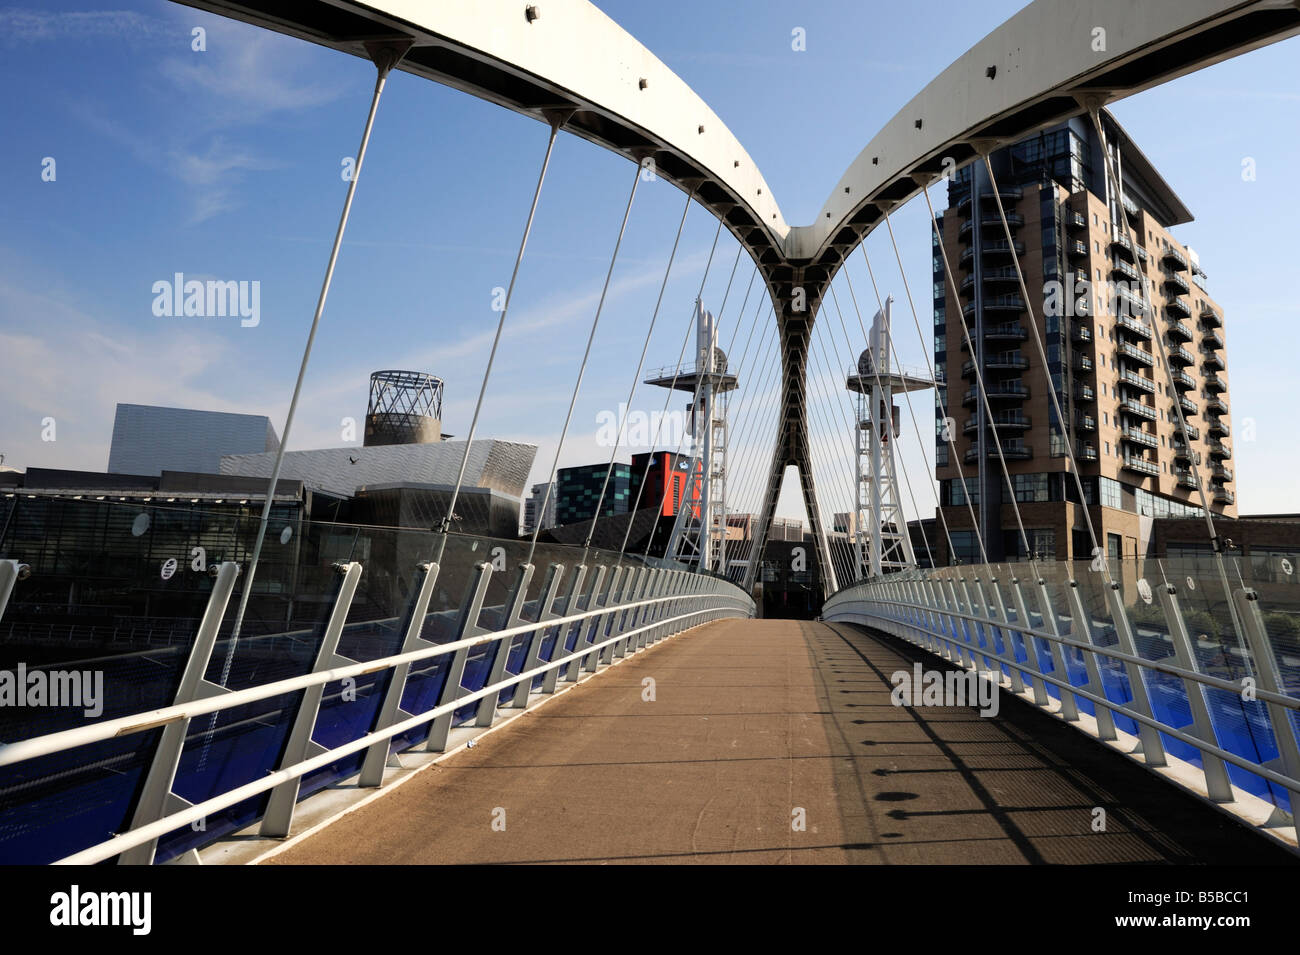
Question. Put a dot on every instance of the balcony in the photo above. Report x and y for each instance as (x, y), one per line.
(1129, 406)
(1178, 355)
(1014, 219)
(1190, 432)
(1123, 246)
(1129, 301)
(1004, 332)
(1215, 383)
(1134, 326)
(997, 303)
(1009, 453)
(1008, 194)
(1077, 249)
(1001, 273)
(997, 363)
(1212, 339)
(1213, 361)
(1125, 270)
(1217, 425)
(1005, 422)
(1172, 280)
(1218, 449)
(1181, 451)
(1224, 496)
(1185, 478)
(1178, 306)
(1214, 404)
(1082, 363)
(1084, 393)
(1138, 381)
(1179, 331)
(1085, 452)
(1085, 422)
(992, 249)
(1141, 465)
(1210, 316)
(1174, 259)
(1220, 473)
(997, 391)
(1144, 438)
(1139, 355)
(1081, 333)
(1188, 406)
(1182, 380)
(1076, 220)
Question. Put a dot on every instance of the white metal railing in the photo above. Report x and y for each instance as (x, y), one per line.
(632, 609)
(1024, 631)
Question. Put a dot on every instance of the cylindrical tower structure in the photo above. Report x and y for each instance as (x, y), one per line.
(405, 408)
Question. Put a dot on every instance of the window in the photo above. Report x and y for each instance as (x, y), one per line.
(966, 547)
(1111, 494)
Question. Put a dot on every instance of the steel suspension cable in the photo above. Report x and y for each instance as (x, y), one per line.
(943, 406)
(496, 341)
(384, 68)
(875, 370)
(582, 369)
(668, 399)
(893, 351)
(975, 366)
(636, 376)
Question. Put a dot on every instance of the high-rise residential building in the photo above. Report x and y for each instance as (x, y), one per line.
(1104, 304)
(533, 508)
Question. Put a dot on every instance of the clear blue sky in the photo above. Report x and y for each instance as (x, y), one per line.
(226, 164)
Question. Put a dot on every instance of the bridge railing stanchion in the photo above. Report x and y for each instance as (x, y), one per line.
(278, 818)
(1082, 630)
(1217, 784)
(487, 707)
(156, 796)
(377, 759)
(467, 626)
(1270, 679)
(572, 597)
(533, 658)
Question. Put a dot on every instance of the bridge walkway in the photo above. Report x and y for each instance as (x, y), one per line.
(752, 721)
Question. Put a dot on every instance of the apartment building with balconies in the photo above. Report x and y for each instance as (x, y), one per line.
(1134, 346)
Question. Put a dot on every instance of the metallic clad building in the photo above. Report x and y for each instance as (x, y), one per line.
(148, 439)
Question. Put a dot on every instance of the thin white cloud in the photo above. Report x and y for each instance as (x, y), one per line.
(45, 26)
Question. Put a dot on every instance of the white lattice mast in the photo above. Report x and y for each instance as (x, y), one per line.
(700, 529)
(881, 542)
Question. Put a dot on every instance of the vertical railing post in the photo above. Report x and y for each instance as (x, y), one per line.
(1031, 645)
(1270, 680)
(390, 711)
(1217, 784)
(1153, 750)
(614, 622)
(584, 636)
(466, 627)
(487, 707)
(1051, 622)
(278, 818)
(156, 796)
(1083, 628)
(1008, 638)
(571, 598)
(533, 659)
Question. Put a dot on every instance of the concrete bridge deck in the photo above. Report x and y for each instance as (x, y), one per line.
(752, 720)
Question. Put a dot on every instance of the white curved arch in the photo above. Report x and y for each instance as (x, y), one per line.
(1041, 59)
(568, 55)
